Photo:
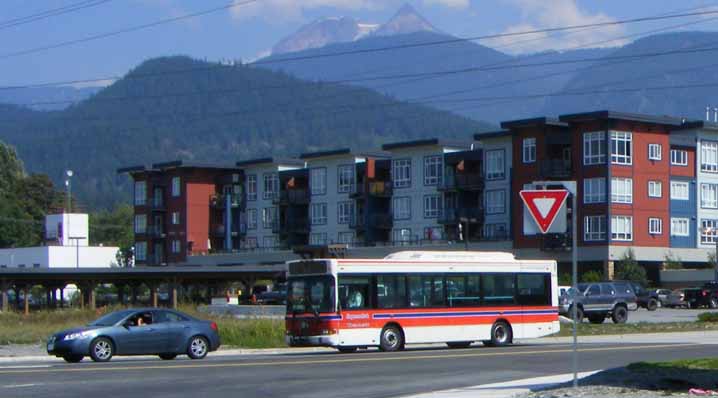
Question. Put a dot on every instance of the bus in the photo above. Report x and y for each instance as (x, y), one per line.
(410, 297)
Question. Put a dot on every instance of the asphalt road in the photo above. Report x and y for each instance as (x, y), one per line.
(363, 374)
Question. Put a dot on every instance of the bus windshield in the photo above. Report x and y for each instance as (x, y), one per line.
(310, 294)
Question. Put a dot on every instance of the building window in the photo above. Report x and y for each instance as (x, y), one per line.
(622, 228)
(271, 186)
(346, 238)
(529, 150)
(140, 223)
(401, 173)
(709, 231)
(269, 217)
(594, 148)
(594, 190)
(431, 206)
(345, 211)
(140, 193)
(654, 152)
(318, 238)
(401, 208)
(594, 228)
(270, 242)
(251, 187)
(709, 156)
(175, 218)
(655, 226)
(319, 213)
(433, 166)
(495, 164)
(622, 190)
(679, 227)
(495, 201)
(709, 196)
(401, 235)
(621, 147)
(679, 190)
(318, 181)
(679, 157)
(252, 219)
(345, 178)
(176, 246)
(655, 189)
(141, 251)
(495, 231)
(433, 233)
(251, 243)
(176, 188)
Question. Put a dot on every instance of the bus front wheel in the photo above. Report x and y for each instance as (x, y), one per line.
(391, 339)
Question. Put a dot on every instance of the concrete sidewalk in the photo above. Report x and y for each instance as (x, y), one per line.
(505, 390)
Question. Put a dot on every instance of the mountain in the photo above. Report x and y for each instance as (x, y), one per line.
(326, 31)
(47, 98)
(181, 108)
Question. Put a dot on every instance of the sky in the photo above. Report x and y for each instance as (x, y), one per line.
(246, 31)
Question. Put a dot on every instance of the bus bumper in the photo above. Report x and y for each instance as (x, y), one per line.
(308, 341)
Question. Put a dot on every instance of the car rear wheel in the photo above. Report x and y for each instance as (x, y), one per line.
(391, 339)
(168, 357)
(652, 305)
(72, 358)
(459, 344)
(198, 347)
(101, 349)
(620, 314)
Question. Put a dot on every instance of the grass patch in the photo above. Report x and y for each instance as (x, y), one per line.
(708, 317)
(606, 328)
(684, 364)
(35, 328)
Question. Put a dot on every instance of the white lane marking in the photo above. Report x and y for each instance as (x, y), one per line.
(22, 385)
(26, 366)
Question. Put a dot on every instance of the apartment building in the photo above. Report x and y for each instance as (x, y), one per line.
(184, 209)
(417, 173)
(262, 193)
(371, 194)
(497, 153)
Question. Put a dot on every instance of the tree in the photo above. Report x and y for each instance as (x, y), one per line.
(672, 262)
(113, 228)
(628, 269)
(592, 276)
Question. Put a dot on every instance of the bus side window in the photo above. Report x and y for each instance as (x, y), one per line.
(498, 289)
(533, 289)
(463, 290)
(391, 291)
(353, 292)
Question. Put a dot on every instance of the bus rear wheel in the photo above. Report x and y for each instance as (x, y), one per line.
(501, 335)
(391, 339)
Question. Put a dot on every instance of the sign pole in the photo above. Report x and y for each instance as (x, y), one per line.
(574, 272)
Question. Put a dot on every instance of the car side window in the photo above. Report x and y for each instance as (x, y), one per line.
(140, 319)
(607, 290)
(594, 290)
(166, 316)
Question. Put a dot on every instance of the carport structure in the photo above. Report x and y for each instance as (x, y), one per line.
(87, 279)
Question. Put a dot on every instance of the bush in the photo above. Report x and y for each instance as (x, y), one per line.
(672, 262)
(565, 279)
(592, 276)
(711, 317)
(627, 269)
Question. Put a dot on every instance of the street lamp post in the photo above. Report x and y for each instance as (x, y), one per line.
(68, 184)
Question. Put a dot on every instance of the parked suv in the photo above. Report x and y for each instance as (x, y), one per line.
(647, 299)
(596, 301)
(706, 296)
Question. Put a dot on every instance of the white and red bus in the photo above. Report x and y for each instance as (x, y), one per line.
(420, 297)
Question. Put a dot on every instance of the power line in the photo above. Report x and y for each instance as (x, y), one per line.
(362, 51)
(51, 13)
(126, 30)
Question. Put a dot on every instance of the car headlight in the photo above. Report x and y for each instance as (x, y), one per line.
(78, 335)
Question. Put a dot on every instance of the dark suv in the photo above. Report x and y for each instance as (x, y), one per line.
(706, 296)
(596, 301)
(647, 299)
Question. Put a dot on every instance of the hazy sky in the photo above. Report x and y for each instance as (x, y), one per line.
(247, 31)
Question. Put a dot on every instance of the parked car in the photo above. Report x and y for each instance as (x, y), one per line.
(148, 331)
(706, 296)
(647, 299)
(562, 290)
(274, 297)
(671, 298)
(596, 301)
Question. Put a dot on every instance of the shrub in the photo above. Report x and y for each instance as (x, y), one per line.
(592, 276)
(628, 269)
(672, 262)
(708, 317)
(565, 279)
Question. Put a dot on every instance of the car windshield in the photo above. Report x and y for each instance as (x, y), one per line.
(582, 287)
(111, 319)
(311, 294)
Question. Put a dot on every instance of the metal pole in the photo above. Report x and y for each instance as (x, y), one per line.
(574, 271)
(466, 237)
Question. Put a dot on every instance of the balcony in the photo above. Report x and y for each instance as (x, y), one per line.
(379, 189)
(462, 214)
(556, 168)
(463, 182)
(156, 232)
(556, 242)
(220, 201)
(157, 203)
(357, 222)
(381, 221)
(219, 231)
(156, 259)
(292, 197)
(298, 225)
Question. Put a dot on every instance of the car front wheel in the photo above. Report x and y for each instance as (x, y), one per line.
(198, 347)
(101, 349)
(620, 314)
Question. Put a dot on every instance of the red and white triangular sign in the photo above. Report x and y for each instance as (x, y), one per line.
(543, 205)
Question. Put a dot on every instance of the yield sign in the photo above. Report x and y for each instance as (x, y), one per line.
(543, 205)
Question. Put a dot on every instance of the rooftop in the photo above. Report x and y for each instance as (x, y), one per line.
(344, 151)
(538, 121)
(271, 160)
(427, 142)
(612, 115)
